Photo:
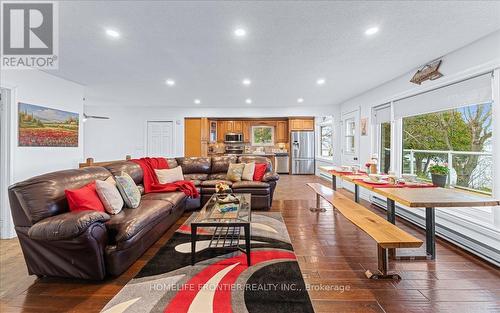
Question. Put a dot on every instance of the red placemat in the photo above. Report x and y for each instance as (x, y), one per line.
(396, 185)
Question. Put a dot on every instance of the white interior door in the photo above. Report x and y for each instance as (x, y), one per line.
(350, 138)
(160, 140)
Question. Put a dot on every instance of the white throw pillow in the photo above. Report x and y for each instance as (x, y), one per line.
(170, 175)
(248, 171)
(110, 196)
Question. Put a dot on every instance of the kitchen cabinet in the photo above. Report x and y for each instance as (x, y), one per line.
(301, 124)
(247, 129)
(237, 126)
(281, 135)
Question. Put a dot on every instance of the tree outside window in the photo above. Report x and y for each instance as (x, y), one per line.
(326, 144)
(460, 138)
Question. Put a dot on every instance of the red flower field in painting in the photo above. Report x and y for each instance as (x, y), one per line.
(48, 137)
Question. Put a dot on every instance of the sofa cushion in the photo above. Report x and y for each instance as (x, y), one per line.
(129, 222)
(212, 183)
(218, 176)
(84, 199)
(253, 190)
(250, 184)
(128, 189)
(43, 196)
(235, 171)
(110, 196)
(220, 164)
(169, 175)
(173, 197)
(196, 182)
(194, 165)
(196, 176)
(131, 168)
(66, 225)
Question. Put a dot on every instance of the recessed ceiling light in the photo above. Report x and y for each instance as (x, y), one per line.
(371, 31)
(300, 100)
(197, 101)
(170, 82)
(248, 101)
(321, 81)
(112, 33)
(247, 82)
(240, 32)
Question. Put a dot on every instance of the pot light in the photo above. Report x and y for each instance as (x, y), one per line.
(247, 82)
(170, 82)
(112, 33)
(300, 100)
(371, 31)
(240, 32)
(197, 101)
(321, 81)
(248, 101)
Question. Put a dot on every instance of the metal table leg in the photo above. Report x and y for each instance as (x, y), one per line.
(391, 211)
(430, 232)
(356, 193)
(193, 244)
(318, 207)
(334, 182)
(247, 243)
(383, 266)
(391, 218)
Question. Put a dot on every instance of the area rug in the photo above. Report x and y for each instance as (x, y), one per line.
(219, 282)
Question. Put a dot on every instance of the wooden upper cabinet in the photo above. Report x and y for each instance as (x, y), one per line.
(301, 124)
(281, 132)
(221, 130)
(247, 128)
(238, 126)
(308, 124)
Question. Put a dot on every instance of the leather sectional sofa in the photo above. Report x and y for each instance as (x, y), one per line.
(91, 244)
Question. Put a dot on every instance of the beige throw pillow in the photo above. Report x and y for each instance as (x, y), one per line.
(109, 195)
(248, 171)
(171, 175)
(235, 171)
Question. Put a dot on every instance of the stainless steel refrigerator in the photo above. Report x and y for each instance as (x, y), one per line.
(302, 152)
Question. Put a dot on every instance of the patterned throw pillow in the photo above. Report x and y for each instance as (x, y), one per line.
(235, 171)
(109, 195)
(248, 171)
(129, 190)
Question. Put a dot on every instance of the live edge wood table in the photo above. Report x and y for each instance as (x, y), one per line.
(428, 198)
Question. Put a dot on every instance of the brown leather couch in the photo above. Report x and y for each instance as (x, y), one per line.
(90, 244)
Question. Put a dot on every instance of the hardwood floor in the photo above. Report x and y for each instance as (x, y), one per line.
(333, 254)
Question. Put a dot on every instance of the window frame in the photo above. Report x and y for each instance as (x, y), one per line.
(325, 121)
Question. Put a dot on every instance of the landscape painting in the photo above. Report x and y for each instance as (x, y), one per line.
(45, 127)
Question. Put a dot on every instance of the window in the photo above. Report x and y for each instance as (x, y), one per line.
(326, 141)
(262, 136)
(459, 138)
(350, 136)
(385, 147)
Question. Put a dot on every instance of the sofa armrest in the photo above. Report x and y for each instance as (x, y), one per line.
(270, 176)
(66, 225)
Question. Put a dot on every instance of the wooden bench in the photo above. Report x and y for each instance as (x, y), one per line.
(387, 235)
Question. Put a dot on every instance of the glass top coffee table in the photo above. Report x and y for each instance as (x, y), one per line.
(226, 226)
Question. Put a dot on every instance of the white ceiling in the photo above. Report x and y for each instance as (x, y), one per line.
(289, 45)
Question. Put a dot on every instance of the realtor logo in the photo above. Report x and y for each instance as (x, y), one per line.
(29, 35)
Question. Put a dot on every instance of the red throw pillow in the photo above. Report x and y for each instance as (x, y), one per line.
(85, 198)
(260, 170)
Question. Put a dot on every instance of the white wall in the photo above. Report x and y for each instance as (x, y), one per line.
(40, 88)
(125, 132)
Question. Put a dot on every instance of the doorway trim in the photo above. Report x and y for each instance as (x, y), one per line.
(6, 158)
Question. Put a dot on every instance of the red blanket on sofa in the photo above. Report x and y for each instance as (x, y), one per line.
(152, 184)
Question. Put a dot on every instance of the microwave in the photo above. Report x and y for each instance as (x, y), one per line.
(233, 138)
